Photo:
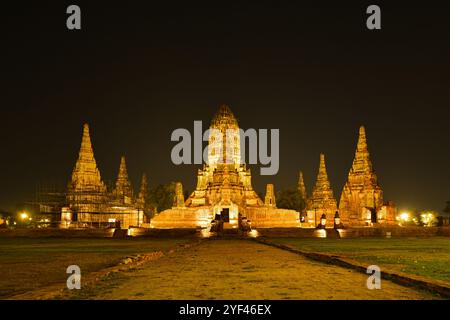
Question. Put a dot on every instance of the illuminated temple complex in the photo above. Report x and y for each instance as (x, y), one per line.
(224, 187)
(89, 203)
(361, 202)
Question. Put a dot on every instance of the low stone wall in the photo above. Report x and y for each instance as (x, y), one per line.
(98, 233)
(164, 233)
(265, 217)
(56, 233)
(395, 231)
(176, 218)
(286, 232)
(358, 232)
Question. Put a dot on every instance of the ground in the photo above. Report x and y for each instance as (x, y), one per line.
(239, 269)
(30, 263)
(426, 257)
(212, 269)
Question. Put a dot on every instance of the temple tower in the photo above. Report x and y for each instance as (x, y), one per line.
(224, 139)
(143, 192)
(224, 187)
(224, 182)
(302, 188)
(123, 191)
(322, 200)
(179, 196)
(86, 190)
(270, 200)
(361, 196)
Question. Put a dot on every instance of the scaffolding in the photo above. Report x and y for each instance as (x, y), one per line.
(46, 203)
(93, 206)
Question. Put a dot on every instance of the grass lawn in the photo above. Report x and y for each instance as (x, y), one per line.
(28, 263)
(428, 257)
(242, 270)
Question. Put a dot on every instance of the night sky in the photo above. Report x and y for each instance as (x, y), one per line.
(137, 71)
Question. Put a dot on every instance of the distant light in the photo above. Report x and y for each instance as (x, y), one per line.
(427, 218)
(205, 233)
(23, 216)
(320, 233)
(253, 233)
(404, 216)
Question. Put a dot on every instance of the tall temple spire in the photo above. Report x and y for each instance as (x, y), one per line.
(122, 177)
(86, 151)
(224, 141)
(361, 191)
(123, 188)
(301, 187)
(361, 162)
(224, 114)
(86, 192)
(322, 200)
(143, 192)
(322, 176)
(85, 175)
(362, 142)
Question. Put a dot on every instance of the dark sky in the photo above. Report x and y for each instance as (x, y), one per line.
(137, 71)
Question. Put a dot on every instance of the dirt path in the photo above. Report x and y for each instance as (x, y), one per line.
(237, 269)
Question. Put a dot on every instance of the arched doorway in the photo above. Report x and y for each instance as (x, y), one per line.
(373, 215)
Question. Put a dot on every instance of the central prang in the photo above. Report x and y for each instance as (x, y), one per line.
(224, 185)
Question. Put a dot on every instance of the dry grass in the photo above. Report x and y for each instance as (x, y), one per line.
(28, 264)
(427, 257)
(239, 269)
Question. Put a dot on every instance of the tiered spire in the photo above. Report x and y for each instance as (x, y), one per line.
(361, 192)
(361, 162)
(123, 188)
(322, 195)
(270, 200)
(85, 175)
(143, 192)
(179, 196)
(224, 140)
(301, 187)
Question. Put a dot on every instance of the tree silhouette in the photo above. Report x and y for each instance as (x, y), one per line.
(290, 199)
(447, 208)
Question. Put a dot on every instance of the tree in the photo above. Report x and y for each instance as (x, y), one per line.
(161, 197)
(428, 218)
(290, 199)
(447, 208)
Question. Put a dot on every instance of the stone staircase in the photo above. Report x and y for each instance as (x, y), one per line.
(120, 233)
(333, 234)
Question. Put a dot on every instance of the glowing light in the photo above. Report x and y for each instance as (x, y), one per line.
(404, 216)
(427, 218)
(205, 233)
(24, 216)
(320, 233)
(253, 233)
